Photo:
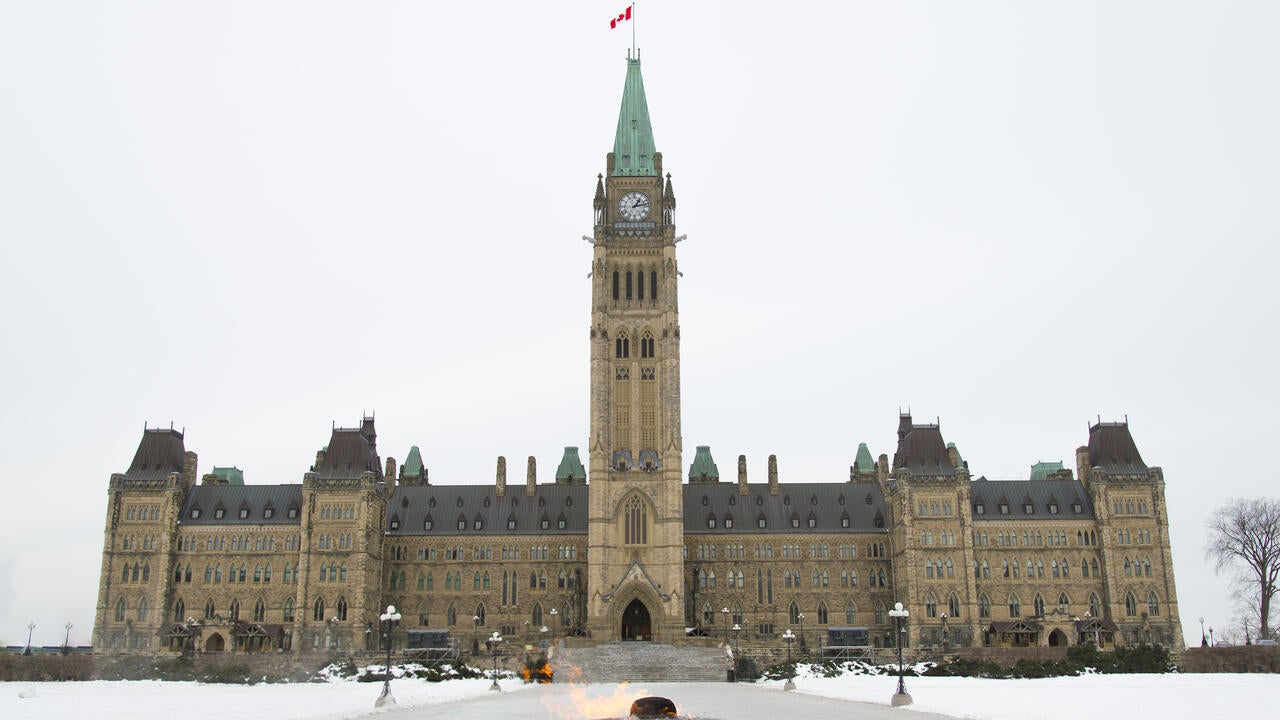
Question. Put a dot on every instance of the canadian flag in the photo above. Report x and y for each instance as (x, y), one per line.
(621, 17)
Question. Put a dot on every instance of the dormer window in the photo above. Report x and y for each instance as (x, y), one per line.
(1053, 508)
(268, 513)
(844, 521)
(979, 509)
(795, 522)
(546, 523)
(728, 523)
(219, 513)
(462, 524)
(293, 513)
(511, 524)
(1004, 508)
(426, 524)
(395, 523)
(195, 513)
(1076, 508)
(711, 522)
(244, 513)
(1028, 508)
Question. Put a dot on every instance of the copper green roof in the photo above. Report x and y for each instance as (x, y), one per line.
(570, 466)
(1042, 470)
(413, 464)
(703, 466)
(230, 475)
(633, 143)
(863, 462)
(959, 457)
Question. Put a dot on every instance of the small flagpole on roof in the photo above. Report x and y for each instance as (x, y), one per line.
(634, 51)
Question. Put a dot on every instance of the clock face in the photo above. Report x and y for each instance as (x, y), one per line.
(634, 206)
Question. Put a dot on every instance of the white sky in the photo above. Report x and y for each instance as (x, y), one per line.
(254, 219)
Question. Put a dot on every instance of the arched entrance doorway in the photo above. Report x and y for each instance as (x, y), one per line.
(635, 622)
(214, 643)
(1057, 638)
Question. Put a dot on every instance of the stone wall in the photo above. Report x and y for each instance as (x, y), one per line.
(1240, 659)
(223, 666)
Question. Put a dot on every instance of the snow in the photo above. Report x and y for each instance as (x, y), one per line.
(1098, 697)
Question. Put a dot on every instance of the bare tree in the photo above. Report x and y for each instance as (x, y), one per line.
(1244, 538)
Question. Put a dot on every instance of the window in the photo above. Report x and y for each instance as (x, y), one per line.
(288, 609)
(142, 610)
(1153, 604)
(268, 513)
(317, 612)
(1130, 605)
(293, 513)
(120, 610)
(195, 513)
(635, 516)
(984, 607)
(850, 613)
(953, 606)
(931, 606)
(980, 509)
(244, 513)
(1015, 606)
(259, 611)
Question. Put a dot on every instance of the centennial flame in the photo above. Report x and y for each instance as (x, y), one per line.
(583, 704)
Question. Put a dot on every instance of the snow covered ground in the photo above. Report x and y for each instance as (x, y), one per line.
(1096, 697)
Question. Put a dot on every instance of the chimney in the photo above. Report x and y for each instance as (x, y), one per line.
(1082, 464)
(189, 468)
(390, 475)
(531, 478)
(742, 474)
(319, 460)
(502, 477)
(773, 474)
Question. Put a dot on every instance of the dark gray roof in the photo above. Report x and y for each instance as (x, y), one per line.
(351, 452)
(159, 454)
(447, 504)
(922, 450)
(828, 503)
(231, 498)
(1111, 448)
(1040, 493)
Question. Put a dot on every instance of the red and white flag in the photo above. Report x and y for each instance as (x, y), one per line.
(621, 18)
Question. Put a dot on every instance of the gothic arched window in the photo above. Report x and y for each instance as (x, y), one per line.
(635, 522)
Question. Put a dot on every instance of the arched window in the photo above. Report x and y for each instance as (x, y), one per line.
(984, 606)
(179, 611)
(736, 612)
(1064, 604)
(1094, 567)
(146, 572)
(342, 574)
(880, 612)
(615, 284)
(850, 613)
(324, 572)
(317, 613)
(1146, 567)
(1130, 604)
(953, 605)
(266, 573)
(1128, 568)
(259, 611)
(451, 616)
(120, 610)
(475, 581)
(288, 609)
(431, 580)
(931, 605)
(480, 614)
(234, 611)
(653, 284)
(622, 346)
(1153, 604)
(537, 615)
(209, 610)
(342, 609)
(208, 573)
(1038, 603)
(635, 522)
(1015, 606)
(1095, 606)
(257, 573)
(629, 292)
(793, 613)
(142, 610)
(486, 580)
(640, 285)
(822, 613)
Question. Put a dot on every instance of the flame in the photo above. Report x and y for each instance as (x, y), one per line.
(581, 703)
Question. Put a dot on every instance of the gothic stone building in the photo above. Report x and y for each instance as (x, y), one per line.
(629, 547)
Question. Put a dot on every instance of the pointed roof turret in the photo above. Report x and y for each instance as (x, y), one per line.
(703, 468)
(633, 148)
(570, 470)
(412, 467)
(863, 462)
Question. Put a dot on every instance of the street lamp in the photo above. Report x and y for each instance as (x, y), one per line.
(389, 620)
(492, 642)
(1203, 640)
(945, 635)
(31, 627)
(724, 612)
(900, 616)
(803, 648)
(542, 639)
(1211, 641)
(736, 629)
(789, 636)
(554, 613)
(475, 630)
(1096, 642)
(66, 643)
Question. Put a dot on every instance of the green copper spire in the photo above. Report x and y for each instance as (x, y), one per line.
(571, 470)
(633, 144)
(863, 462)
(412, 467)
(703, 468)
(1042, 470)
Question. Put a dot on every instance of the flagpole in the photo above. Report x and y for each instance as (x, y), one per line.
(633, 32)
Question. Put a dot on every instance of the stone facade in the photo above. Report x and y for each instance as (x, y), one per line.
(1059, 558)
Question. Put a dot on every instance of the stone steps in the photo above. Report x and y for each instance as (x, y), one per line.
(640, 662)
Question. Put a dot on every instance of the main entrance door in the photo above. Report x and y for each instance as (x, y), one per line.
(635, 622)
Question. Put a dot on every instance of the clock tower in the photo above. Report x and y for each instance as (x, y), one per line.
(635, 530)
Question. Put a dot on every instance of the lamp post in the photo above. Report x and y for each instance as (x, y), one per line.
(542, 639)
(554, 614)
(1203, 641)
(66, 642)
(900, 616)
(31, 627)
(803, 648)
(192, 627)
(724, 612)
(1097, 643)
(789, 636)
(492, 642)
(389, 620)
(475, 630)
(1211, 641)
(736, 630)
(945, 636)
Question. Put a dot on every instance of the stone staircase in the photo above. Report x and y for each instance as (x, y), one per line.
(640, 662)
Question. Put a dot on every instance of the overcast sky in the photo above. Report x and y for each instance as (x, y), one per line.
(255, 219)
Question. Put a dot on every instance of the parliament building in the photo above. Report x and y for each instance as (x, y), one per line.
(641, 542)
